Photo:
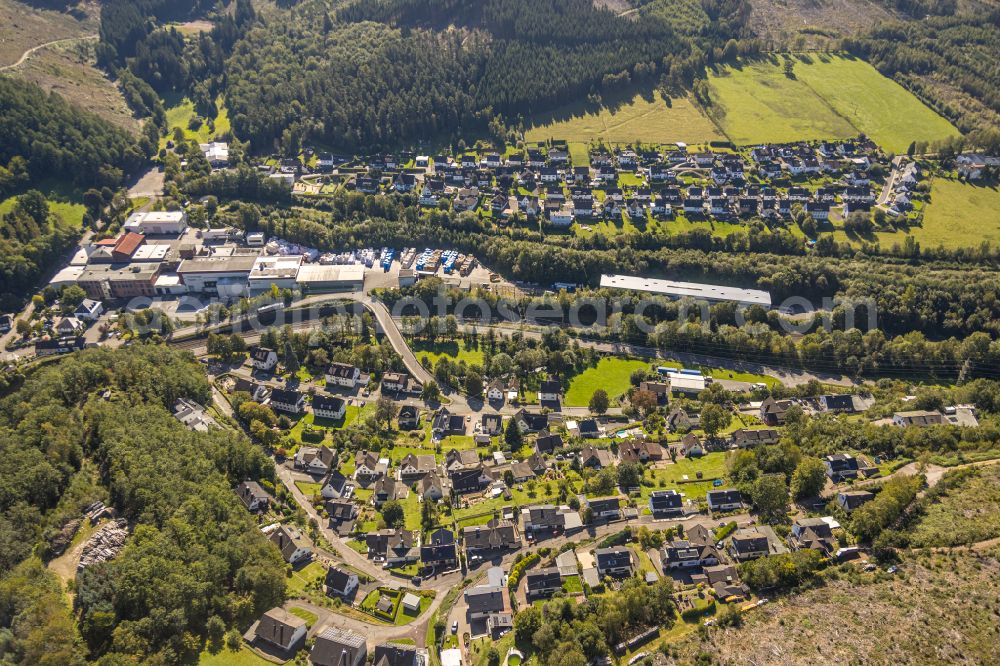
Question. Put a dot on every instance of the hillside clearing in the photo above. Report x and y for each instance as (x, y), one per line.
(877, 106)
(757, 103)
(937, 610)
(644, 117)
(23, 27)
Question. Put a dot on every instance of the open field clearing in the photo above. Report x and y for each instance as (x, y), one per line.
(68, 69)
(22, 27)
(757, 103)
(181, 111)
(877, 106)
(958, 215)
(610, 374)
(828, 97)
(643, 117)
(966, 514)
(814, 22)
(936, 610)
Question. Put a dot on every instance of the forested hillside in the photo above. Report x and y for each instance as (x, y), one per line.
(32, 238)
(58, 140)
(194, 554)
(378, 74)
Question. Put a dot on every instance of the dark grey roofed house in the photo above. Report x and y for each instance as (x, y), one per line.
(589, 429)
(837, 403)
(747, 544)
(543, 582)
(496, 535)
(466, 479)
(485, 600)
(338, 647)
(724, 500)
(409, 417)
(841, 466)
(547, 442)
(341, 581)
(492, 424)
(849, 500)
(744, 438)
(281, 629)
(663, 503)
(613, 561)
(605, 507)
(394, 654)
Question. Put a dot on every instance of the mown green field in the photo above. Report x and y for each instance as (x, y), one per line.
(828, 97)
(180, 114)
(610, 374)
(960, 215)
(757, 103)
(455, 350)
(644, 118)
(877, 106)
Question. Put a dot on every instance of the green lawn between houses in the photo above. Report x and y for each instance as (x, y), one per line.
(224, 657)
(610, 374)
(455, 350)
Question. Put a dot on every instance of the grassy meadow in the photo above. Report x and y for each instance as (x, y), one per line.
(645, 118)
(610, 374)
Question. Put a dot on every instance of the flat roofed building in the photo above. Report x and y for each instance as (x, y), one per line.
(225, 276)
(105, 281)
(157, 222)
(709, 292)
(319, 279)
(278, 271)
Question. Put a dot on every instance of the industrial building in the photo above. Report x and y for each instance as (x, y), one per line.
(712, 293)
(164, 222)
(222, 276)
(278, 271)
(319, 279)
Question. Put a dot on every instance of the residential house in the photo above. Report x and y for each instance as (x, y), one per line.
(495, 537)
(547, 442)
(640, 450)
(543, 583)
(341, 513)
(726, 582)
(455, 459)
(530, 422)
(445, 423)
(589, 429)
(409, 417)
(849, 500)
(814, 533)
(487, 601)
(595, 458)
(89, 310)
(338, 647)
(341, 581)
(387, 489)
(393, 547)
(193, 415)
(542, 518)
(841, 466)
(614, 562)
(440, 551)
(315, 460)
(395, 382)
(263, 358)
(521, 472)
(550, 391)
(744, 439)
(840, 403)
(431, 487)
(294, 546)
(329, 407)
(603, 508)
(395, 654)
(691, 446)
(492, 424)
(369, 467)
(468, 479)
(344, 375)
(413, 466)
(537, 464)
(336, 486)
(660, 389)
(725, 500)
(284, 400)
(282, 630)
(917, 418)
(772, 412)
(665, 504)
(682, 554)
(748, 543)
(680, 421)
(254, 497)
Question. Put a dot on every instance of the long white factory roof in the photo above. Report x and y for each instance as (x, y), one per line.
(709, 292)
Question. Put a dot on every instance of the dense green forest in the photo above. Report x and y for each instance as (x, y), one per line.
(379, 74)
(950, 62)
(32, 238)
(195, 554)
(59, 140)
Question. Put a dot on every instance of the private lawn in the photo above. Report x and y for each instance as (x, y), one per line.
(611, 374)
